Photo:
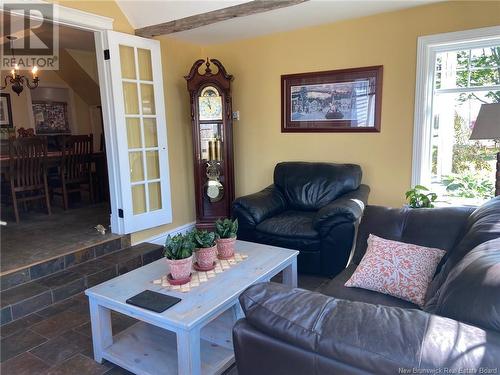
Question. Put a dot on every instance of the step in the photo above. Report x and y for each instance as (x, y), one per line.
(24, 299)
(50, 266)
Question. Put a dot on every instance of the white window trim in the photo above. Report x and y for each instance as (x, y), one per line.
(427, 48)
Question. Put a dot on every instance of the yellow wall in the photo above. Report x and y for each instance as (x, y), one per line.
(388, 39)
(20, 115)
(87, 61)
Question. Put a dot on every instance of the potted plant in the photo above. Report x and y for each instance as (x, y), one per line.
(417, 198)
(226, 231)
(179, 255)
(206, 249)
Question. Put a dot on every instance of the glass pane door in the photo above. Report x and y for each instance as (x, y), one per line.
(141, 131)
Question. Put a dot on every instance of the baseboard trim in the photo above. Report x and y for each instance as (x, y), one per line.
(159, 239)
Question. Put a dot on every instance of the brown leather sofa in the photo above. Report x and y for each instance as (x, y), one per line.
(354, 331)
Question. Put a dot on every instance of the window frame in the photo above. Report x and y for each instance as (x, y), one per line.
(427, 48)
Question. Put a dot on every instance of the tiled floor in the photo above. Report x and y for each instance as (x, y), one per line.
(39, 237)
(57, 340)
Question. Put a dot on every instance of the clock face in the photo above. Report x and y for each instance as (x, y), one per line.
(210, 104)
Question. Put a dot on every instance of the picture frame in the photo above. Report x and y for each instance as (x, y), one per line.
(51, 117)
(5, 111)
(345, 100)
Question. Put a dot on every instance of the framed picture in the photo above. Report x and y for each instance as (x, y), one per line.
(5, 111)
(51, 117)
(347, 100)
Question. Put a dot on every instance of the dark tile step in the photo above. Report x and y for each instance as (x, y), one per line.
(51, 266)
(27, 298)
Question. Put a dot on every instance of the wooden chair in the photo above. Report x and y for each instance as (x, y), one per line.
(27, 171)
(76, 167)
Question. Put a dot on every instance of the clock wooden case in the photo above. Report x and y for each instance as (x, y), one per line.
(211, 116)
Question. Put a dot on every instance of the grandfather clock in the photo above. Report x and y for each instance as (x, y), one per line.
(211, 116)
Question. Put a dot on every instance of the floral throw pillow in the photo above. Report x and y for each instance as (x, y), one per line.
(399, 269)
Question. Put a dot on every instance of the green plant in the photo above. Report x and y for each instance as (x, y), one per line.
(468, 154)
(469, 186)
(226, 228)
(203, 239)
(180, 246)
(417, 198)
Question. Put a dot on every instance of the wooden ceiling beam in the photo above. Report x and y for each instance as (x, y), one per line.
(203, 19)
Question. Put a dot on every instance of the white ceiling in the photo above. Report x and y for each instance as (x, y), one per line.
(141, 13)
(313, 12)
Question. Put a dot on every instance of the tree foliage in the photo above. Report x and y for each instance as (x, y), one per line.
(467, 153)
(485, 71)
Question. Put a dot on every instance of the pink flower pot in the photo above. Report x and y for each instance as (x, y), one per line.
(225, 247)
(205, 256)
(181, 268)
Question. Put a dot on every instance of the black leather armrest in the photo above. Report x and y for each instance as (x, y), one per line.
(348, 208)
(256, 207)
(377, 339)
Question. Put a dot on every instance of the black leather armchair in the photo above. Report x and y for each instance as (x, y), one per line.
(311, 207)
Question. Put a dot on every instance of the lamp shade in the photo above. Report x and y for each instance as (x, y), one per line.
(487, 124)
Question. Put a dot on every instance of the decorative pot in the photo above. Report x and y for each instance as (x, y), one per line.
(205, 256)
(180, 268)
(225, 247)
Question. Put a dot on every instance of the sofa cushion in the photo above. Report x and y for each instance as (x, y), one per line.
(436, 227)
(290, 224)
(396, 268)
(336, 288)
(471, 292)
(482, 225)
(310, 186)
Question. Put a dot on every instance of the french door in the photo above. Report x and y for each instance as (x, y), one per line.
(140, 131)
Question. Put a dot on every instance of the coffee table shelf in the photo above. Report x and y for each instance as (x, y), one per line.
(145, 349)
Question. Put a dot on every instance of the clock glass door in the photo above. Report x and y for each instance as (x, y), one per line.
(210, 104)
(210, 114)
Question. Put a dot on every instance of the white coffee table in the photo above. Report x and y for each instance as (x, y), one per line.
(195, 335)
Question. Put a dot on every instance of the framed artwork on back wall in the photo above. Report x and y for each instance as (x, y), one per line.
(51, 117)
(346, 100)
(5, 111)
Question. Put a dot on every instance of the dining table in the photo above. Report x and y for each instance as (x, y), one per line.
(54, 159)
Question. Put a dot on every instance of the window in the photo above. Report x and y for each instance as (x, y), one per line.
(460, 71)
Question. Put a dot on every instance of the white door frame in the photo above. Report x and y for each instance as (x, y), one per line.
(98, 25)
(427, 48)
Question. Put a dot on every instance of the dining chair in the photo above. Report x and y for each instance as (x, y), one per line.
(76, 167)
(27, 172)
(23, 133)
